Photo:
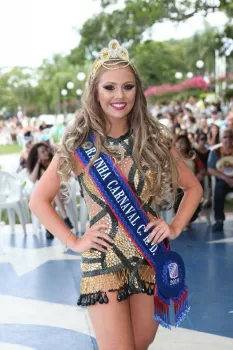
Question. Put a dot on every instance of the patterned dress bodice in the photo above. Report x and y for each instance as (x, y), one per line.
(124, 254)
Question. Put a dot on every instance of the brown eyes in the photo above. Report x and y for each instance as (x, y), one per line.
(126, 87)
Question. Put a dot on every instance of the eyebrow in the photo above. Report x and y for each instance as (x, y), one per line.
(113, 83)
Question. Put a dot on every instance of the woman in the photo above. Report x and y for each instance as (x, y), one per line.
(201, 149)
(203, 127)
(214, 135)
(115, 113)
(38, 160)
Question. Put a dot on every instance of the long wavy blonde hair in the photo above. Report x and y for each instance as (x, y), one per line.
(151, 143)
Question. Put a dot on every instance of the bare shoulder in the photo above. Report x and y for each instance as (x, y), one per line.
(77, 167)
(176, 154)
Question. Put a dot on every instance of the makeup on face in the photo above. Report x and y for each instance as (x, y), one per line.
(116, 92)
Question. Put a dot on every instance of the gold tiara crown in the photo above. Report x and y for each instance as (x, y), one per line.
(114, 52)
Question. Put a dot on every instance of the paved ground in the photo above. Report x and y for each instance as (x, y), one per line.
(39, 285)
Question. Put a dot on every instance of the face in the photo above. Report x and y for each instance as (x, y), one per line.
(181, 145)
(203, 122)
(116, 93)
(230, 123)
(202, 140)
(214, 128)
(43, 153)
(227, 139)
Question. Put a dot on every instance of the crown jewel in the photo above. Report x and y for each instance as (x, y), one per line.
(114, 52)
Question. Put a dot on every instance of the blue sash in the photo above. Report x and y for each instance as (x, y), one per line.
(169, 266)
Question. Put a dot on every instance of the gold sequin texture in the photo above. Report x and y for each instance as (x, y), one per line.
(113, 270)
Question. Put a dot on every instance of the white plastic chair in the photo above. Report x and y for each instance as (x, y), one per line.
(11, 199)
(27, 188)
(71, 205)
(77, 212)
(167, 215)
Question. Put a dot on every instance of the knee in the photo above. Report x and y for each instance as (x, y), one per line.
(144, 342)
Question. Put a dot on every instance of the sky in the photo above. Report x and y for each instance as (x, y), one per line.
(31, 30)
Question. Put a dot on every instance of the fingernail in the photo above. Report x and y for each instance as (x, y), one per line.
(146, 229)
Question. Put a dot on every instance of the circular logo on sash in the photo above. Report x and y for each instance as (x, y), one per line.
(87, 145)
(170, 274)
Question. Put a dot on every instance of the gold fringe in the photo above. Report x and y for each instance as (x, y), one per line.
(115, 280)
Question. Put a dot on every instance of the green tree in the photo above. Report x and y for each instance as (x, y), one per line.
(157, 62)
(129, 24)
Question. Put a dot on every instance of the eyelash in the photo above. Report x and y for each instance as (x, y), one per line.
(126, 87)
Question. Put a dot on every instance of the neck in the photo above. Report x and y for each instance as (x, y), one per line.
(117, 128)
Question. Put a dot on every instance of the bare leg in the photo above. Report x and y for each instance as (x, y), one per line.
(112, 324)
(144, 326)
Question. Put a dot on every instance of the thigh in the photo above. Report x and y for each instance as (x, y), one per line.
(112, 324)
(144, 326)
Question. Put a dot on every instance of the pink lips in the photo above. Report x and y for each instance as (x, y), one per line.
(119, 106)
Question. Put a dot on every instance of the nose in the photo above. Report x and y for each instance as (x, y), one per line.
(119, 93)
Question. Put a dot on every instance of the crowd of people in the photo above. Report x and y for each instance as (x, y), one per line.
(203, 135)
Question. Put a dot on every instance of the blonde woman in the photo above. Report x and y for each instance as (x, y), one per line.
(117, 282)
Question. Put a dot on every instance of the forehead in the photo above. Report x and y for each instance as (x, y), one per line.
(227, 133)
(117, 74)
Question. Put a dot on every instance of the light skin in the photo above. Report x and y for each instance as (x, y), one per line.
(122, 329)
(227, 143)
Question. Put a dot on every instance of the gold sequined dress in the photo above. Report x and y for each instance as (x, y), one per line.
(122, 268)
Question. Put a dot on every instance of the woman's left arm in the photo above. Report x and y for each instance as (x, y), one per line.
(192, 195)
(193, 192)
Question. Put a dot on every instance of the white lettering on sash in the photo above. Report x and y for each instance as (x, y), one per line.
(140, 229)
(123, 200)
(146, 240)
(116, 189)
(130, 210)
(125, 206)
(102, 168)
(153, 248)
(110, 183)
(106, 175)
(91, 152)
(119, 195)
(134, 221)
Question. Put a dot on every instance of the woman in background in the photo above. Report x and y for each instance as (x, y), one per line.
(39, 158)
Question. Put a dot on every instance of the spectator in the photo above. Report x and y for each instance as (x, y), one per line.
(24, 155)
(214, 118)
(224, 183)
(214, 135)
(43, 126)
(203, 127)
(38, 161)
(229, 122)
(201, 149)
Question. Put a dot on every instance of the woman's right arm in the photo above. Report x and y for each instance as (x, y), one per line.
(40, 205)
(34, 176)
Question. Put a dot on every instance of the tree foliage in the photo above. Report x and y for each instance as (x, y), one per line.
(129, 24)
(39, 90)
